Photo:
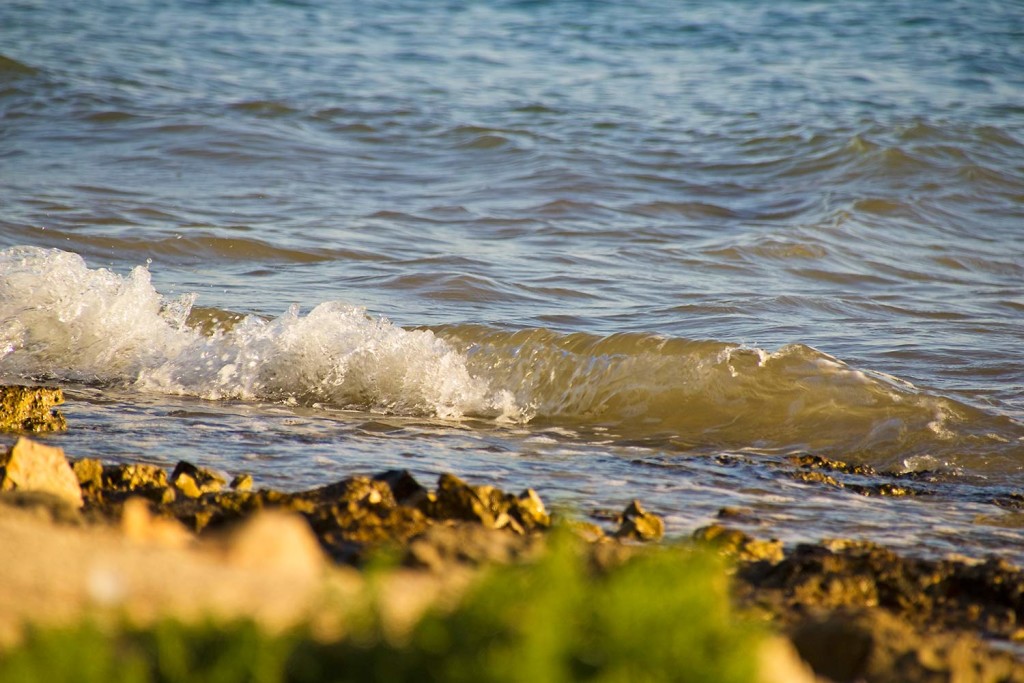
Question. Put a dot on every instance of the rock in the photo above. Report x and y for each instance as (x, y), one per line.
(358, 513)
(444, 546)
(817, 477)
(29, 409)
(528, 509)
(44, 506)
(873, 645)
(194, 481)
(779, 662)
(817, 462)
(458, 500)
(242, 482)
(487, 505)
(729, 511)
(587, 531)
(120, 482)
(836, 648)
(134, 477)
(273, 540)
(31, 466)
(742, 546)
(638, 524)
(139, 524)
(89, 472)
(187, 485)
(404, 487)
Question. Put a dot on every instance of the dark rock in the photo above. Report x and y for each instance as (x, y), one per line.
(358, 513)
(987, 597)
(30, 409)
(873, 645)
(836, 647)
(727, 512)
(404, 487)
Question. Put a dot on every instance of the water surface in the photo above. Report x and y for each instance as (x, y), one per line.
(605, 250)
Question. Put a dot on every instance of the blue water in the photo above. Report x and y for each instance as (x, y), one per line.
(611, 241)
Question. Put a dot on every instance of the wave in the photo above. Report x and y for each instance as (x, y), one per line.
(62, 321)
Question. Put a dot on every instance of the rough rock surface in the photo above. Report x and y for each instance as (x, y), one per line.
(31, 466)
(638, 524)
(349, 518)
(30, 409)
(64, 572)
(857, 611)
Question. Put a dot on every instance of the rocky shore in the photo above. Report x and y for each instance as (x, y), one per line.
(83, 539)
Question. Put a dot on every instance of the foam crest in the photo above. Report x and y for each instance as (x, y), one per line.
(58, 318)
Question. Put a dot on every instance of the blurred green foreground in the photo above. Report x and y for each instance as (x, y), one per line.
(660, 616)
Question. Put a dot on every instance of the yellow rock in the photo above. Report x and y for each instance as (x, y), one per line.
(31, 466)
(139, 524)
(276, 540)
(638, 524)
(29, 409)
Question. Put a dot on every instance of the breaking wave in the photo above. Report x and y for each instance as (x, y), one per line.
(62, 321)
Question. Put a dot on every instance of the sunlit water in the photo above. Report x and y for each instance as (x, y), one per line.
(611, 251)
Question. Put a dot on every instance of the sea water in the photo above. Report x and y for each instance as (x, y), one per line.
(607, 250)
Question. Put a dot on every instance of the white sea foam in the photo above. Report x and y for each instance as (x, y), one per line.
(60, 318)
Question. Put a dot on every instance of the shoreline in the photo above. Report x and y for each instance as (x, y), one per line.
(148, 543)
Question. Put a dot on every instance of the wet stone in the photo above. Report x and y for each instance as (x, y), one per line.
(817, 462)
(637, 524)
(729, 512)
(30, 409)
(817, 478)
(886, 489)
(740, 545)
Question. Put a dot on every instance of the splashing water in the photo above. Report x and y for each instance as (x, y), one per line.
(64, 321)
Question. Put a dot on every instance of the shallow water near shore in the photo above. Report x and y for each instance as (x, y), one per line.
(609, 252)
